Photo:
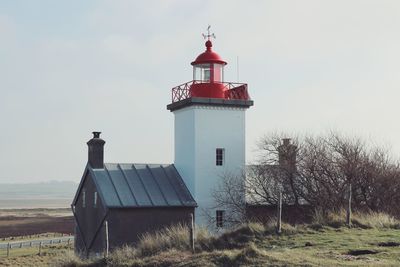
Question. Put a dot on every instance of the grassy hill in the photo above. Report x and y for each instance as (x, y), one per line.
(368, 243)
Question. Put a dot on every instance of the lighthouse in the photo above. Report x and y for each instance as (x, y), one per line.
(209, 125)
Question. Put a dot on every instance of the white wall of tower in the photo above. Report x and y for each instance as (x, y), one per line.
(199, 131)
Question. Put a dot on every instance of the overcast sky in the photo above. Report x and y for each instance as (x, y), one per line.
(70, 67)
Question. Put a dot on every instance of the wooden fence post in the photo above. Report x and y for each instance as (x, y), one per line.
(348, 215)
(40, 248)
(107, 241)
(191, 232)
(279, 215)
(8, 250)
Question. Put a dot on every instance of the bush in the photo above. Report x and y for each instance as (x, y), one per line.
(176, 236)
(359, 219)
(68, 259)
(375, 220)
(122, 256)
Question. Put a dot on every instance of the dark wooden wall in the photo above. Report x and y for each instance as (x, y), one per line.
(290, 213)
(89, 218)
(126, 225)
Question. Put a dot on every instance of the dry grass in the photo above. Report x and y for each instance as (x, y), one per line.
(376, 220)
(171, 237)
(363, 220)
(256, 244)
(29, 256)
(67, 258)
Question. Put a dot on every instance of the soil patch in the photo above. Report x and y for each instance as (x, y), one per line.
(358, 252)
(389, 244)
(12, 226)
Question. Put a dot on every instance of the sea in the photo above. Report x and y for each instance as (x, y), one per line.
(36, 203)
(45, 195)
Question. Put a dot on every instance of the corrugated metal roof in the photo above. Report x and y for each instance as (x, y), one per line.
(141, 185)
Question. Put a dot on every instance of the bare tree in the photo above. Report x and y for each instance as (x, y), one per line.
(317, 171)
(230, 197)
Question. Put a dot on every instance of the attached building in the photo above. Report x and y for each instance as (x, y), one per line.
(125, 201)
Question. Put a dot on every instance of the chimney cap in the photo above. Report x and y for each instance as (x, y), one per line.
(96, 134)
(286, 141)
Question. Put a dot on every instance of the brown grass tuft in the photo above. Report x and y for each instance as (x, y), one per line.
(359, 219)
(176, 237)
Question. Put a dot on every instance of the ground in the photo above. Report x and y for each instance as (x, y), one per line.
(29, 256)
(368, 244)
(23, 222)
(257, 246)
(18, 225)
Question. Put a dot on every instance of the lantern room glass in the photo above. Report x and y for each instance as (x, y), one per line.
(208, 72)
(218, 73)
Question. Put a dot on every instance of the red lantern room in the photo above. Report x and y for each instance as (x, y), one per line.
(208, 79)
(208, 74)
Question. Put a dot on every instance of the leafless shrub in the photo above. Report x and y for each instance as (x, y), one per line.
(319, 175)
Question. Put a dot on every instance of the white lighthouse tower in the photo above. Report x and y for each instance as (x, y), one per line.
(209, 131)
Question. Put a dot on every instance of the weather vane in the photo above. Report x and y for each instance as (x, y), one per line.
(209, 35)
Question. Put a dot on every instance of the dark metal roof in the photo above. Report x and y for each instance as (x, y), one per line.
(141, 185)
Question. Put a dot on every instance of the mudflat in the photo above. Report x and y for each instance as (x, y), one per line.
(22, 222)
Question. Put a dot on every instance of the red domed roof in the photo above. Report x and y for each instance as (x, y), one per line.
(208, 56)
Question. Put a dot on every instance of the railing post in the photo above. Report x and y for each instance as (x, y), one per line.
(279, 214)
(40, 248)
(107, 241)
(191, 232)
(8, 250)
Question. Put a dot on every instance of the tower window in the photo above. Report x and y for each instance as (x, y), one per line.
(84, 198)
(220, 218)
(95, 200)
(219, 156)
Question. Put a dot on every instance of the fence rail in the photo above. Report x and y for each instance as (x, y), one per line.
(6, 248)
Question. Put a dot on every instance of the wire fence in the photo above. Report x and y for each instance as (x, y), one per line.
(33, 246)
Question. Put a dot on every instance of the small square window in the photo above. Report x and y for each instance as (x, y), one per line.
(219, 156)
(220, 218)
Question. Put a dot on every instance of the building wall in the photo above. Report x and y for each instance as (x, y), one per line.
(88, 219)
(199, 131)
(127, 225)
(185, 146)
(290, 213)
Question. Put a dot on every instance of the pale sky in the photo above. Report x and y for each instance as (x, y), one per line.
(71, 67)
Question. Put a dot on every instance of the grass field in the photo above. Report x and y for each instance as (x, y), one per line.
(257, 245)
(374, 240)
(30, 256)
(18, 225)
(251, 245)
